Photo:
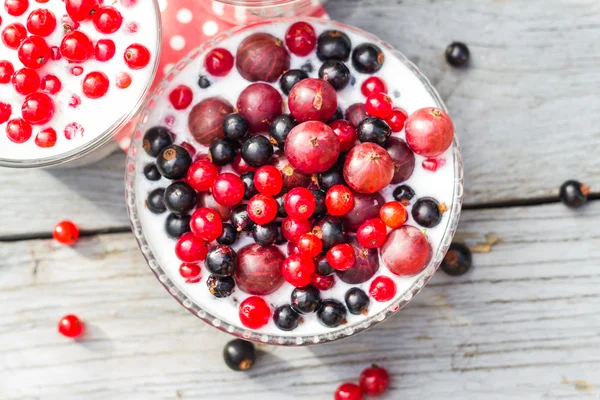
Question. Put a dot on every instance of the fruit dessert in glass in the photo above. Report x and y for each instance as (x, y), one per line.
(239, 11)
(294, 182)
(72, 73)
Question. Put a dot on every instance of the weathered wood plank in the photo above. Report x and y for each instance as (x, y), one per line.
(522, 325)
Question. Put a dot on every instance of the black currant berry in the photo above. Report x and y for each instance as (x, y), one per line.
(266, 234)
(239, 355)
(249, 189)
(374, 130)
(457, 54)
(220, 286)
(280, 238)
(290, 78)
(321, 208)
(180, 198)
(151, 172)
(221, 260)
(177, 225)
(426, 212)
(235, 127)
(322, 267)
(229, 235)
(367, 58)
(156, 201)
(333, 45)
(331, 231)
(404, 194)
(240, 219)
(574, 194)
(280, 128)
(203, 82)
(457, 261)
(336, 73)
(281, 213)
(222, 151)
(331, 177)
(357, 301)
(286, 318)
(156, 139)
(332, 313)
(257, 151)
(306, 300)
(173, 162)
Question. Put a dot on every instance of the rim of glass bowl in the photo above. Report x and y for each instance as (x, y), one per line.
(264, 3)
(248, 334)
(105, 136)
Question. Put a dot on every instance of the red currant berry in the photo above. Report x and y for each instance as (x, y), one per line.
(348, 391)
(206, 224)
(323, 282)
(374, 381)
(297, 269)
(5, 112)
(345, 133)
(76, 47)
(46, 138)
(76, 71)
(262, 209)
(293, 230)
(341, 257)
(136, 56)
(301, 38)
(34, 52)
(70, 326)
(95, 84)
(268, 180)
(38, 109)
(18, 130)
(228, 189)
(50, 84)
(372, 233)
(339, 200)
(254, 312)
(104, 50)
(66, 232)
(123, 81)
(181, 97)
(299, 203)
(16, 7)
(379, 105)
(81, 10)
(201, 175)
(310, 245)
(396, 119)
(13, 35)
(6, 71)
(393, 214)
(382, 289)
(240, 166)
(218, 62)
(26, 81)
(108, 20)
(372, 85)
(192, 273)
(41, 22)
(190, 249)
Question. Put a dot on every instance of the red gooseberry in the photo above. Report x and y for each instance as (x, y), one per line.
(393, 214)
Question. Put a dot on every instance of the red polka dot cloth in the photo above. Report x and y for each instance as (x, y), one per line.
(186, 24)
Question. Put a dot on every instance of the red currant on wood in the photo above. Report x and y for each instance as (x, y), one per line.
(66, 232)
(348, 391)
(374, 381)
(70, 326)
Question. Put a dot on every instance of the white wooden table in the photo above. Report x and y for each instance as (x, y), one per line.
(524, 324)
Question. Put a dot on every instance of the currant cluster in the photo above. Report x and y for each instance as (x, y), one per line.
(305, 186)
(35, 49)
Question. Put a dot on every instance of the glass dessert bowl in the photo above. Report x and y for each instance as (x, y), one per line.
(240, 11)
(249, 128)
(72, 74)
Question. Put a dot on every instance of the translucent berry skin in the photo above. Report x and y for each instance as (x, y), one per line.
(429, 131)
(50, 84)
(95, 84)
(299, 203)
(190, 249)
(136, 56)
(373, 84)
(312, 100)
(34, 52)
(46, 138)
(192, 273)
(310, 245)
(37, 109)
(104, 50)
(268, 180)
(262, 209)
(18, 130)
(108, 20)
(372, 233)
(254, 312)
(13, 35)
(301, 38)
(81, 10)
(206, 224)
(393, 214)
(70, 326)
(201, 175)
(348, 391)
(396, 119)
(76, 47)
(406, 251)
(374, 381)
(218, 62)
(339, 200)
(41, 22)
(379, 105)
(5, 112)
(6, 71)
(66, 232)
(382, 289)
(341, 257)
(345, 133)
(181, 97)
(293, 230)
(312, 147)
(228, 189)
(297, 269)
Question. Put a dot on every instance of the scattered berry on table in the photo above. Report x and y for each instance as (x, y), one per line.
(180, 198)
(156, 201)
(574, 194)
(336, 73)
(457, 261)
(221, 260)
(367, 58)
(286, 318)
(176, 225)
(341, 257)
(333, 45)
(239, 355)
(457, 54)
(332, 313)
(305, 300)
(218, 62)
(70, 326)
(374, 381)
(254, 312)
(297, 269)
(357, 301)
(192, 273)
(382, 289)
(220, 286)
(427, 212)
(290, 78)
(66, 232)
(348, 391)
